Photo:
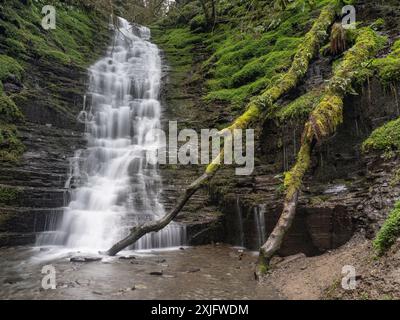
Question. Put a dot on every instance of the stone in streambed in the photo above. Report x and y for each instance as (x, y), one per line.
(129, 257)
(13, 279)
(85, 259)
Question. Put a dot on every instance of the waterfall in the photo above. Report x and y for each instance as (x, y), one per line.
(113, 184)
(259, 218)
(240, 222)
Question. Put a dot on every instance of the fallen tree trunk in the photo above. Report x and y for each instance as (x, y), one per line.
(322, 123)
(254, 111)
(139, 231)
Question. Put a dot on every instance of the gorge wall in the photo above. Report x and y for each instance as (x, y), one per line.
(49, 93)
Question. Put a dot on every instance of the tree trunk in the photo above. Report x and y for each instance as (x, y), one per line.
(275, 239)
(293, 181)
(284, 223)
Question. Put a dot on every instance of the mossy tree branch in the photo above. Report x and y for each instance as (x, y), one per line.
(322, 122)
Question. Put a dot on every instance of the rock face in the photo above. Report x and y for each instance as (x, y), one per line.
(36, 184)
(202, 218)
(32, 191)
(344, 192)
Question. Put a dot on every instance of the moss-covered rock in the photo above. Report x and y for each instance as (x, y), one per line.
(245, 63)
(69, 43)
(9, 67)
(388, 68)
(8, 195)
(389, 232)
(49, 55)
(385, 138)
(11, 148)
(9, 112)
(299, 108)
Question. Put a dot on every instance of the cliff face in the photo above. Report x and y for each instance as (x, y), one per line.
(214, 73)
(47, 94)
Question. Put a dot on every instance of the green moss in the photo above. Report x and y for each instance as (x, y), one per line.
(378, 24)
(15, 48)
(358, 58)
(178, 44)
(388, 68)
(24, 45)
(395, 179)
(351, 70)
(241, 59)
(299, 108)
(389, 232)
(8, 195)
(72, 38)
(385, 138)
(56, 56)
(179, 38)
(294, 177)
(11, 148)
(243, 65)
(328, 114)
(9, 66)
(236, 96)
(263, 269)
(9, 112)
(198, 23)
(287, 43)
(266, 67)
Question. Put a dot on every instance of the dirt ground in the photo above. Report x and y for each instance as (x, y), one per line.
(321, 277)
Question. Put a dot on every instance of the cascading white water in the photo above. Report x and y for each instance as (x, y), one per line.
(259, 218)
(115, 183)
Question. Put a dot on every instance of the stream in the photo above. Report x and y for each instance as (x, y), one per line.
(204, 272)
